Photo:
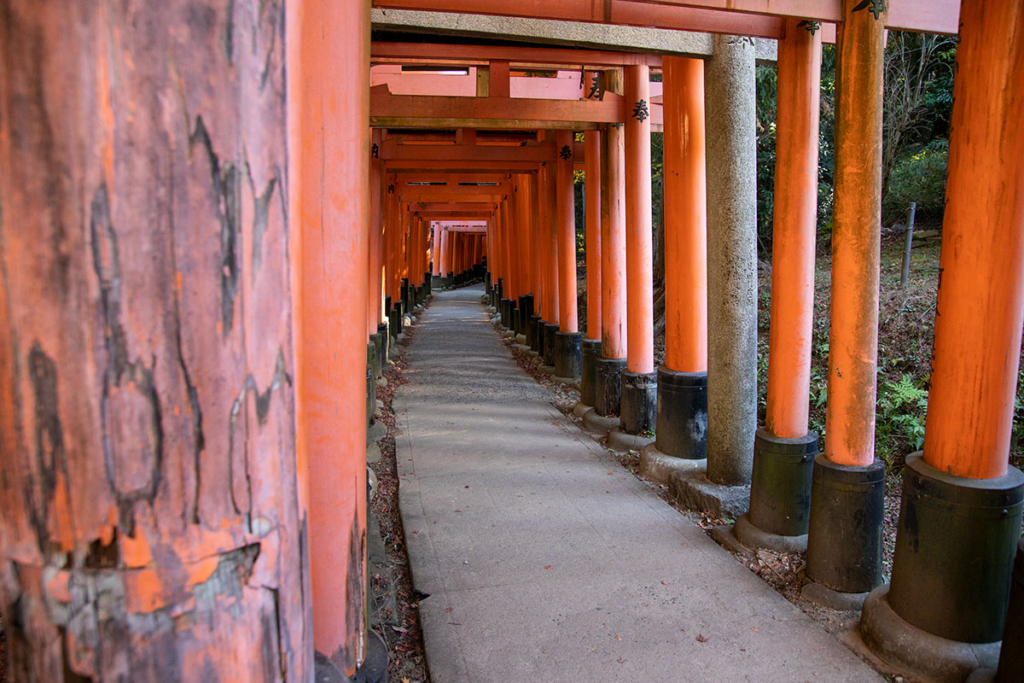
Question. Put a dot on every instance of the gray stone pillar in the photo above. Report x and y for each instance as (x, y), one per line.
(732, 259)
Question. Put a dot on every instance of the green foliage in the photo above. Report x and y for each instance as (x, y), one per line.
(900, 417)
(919, 177)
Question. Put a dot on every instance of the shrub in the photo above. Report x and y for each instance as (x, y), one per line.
(919, 177)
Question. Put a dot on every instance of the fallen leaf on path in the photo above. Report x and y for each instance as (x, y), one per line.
(701, 638)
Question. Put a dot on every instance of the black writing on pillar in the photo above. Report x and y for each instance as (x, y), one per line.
(391, 188)
(566, 152)
(375, 151)
(876, 7)
(811, 26)
(595, 88)
(640, 111)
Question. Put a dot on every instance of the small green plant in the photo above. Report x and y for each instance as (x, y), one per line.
(902, 407)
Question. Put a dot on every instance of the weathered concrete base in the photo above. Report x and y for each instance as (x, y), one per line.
(521, 339)
(408, 319)
(598, 424)
(619, 440)
(531, 353)
(547, 369)
(382, 381)
(581, 408)
(753, 537)
(401, 336)
(523, 347)
(573, 382)
(372, 454)
(824, 596)
(982, 676)
(377, 431)
(915, 653)
(392, 351)
(692, 490)
(659, 467)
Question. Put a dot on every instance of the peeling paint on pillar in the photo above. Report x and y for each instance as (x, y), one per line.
(151, 527)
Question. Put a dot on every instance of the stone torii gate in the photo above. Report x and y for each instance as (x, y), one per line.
(197, 239)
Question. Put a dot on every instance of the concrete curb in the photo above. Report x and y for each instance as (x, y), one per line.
(621, 441)
(692, 490)
(598, 424)
(752, 537)
(659, 467)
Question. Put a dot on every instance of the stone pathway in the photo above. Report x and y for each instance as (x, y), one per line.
(545, 560)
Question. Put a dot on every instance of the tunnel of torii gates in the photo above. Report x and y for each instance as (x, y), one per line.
(196, 249)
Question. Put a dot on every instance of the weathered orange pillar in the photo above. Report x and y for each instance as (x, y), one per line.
(550, 244)
(373, 300)
(534, 333)
(682, 382)
(844, 553)
(153, 515)
(568, 339)
(781, 483)
(639, 381)
(524, 215)
(608, 368)
(435, 253)
(960, 517)
(591, 346)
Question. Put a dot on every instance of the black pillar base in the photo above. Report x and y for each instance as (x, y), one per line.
(395, 322)
(682, 414)
(844, 542)
(1011, 657)
(608, 385)
(487, 284)
(385, 343)
(410, 301)
(780, 487)
(427, 282)
(436, 282)
(375, 345)
(955, 544)
(535, 334)
(639, 408)
(371, 384)
(568, 354)
(550, 330)
(520, 310)
(507, 306)
(387, 305)
(527, 310)
(591, 350)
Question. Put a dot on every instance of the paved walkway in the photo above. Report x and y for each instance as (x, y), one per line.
(547, 561)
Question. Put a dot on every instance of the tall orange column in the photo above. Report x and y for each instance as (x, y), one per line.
(960, 517)
(639, 381)
(568, 339)
(144, 325)
(435, 252)
(781, 484)
(373, 300)
(550, 245)
(844, 549)
(608, 368)
(591, 346)
(682, 382)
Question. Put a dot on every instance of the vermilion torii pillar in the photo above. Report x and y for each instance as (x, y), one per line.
(549, 240)
(682, 381)
(609, 367)
(536, 268)
(568, 339)
(784, 449)
(591, 349)
(960, 517)
(435, 256)
(639, 380)
(844, 548)
(146, 348)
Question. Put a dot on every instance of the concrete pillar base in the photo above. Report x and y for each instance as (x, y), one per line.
(550, 330)
(507, 307)
(751, 536)
(597, 424)
(608, 385)
(914, 652)
(780, 487)
(955, 547)
(591, 350)
(521, 342)
(683, 414)
(659, 467)
(692, 490)
(568, 350)
(436, 282)
(844, 545)
(376, 431)
(581, 408)
(823, 596)
(622, 441)
(638, 410)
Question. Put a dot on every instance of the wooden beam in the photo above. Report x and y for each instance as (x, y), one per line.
(533, 153)
(480, 55)
(762, 18)
(412, 111)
